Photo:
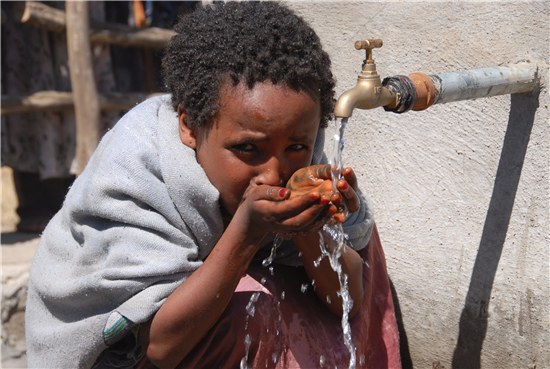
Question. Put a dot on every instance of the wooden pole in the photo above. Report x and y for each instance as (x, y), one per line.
(86, 102)
(60, 101)
(43, 16)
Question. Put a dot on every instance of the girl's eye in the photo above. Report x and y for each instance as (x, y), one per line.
(244, 148)
(296, 147)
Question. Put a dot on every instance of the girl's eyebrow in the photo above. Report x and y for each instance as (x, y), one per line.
(299, 138)
(247, 138)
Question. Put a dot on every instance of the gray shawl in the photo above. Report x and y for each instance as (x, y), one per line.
(136, 223)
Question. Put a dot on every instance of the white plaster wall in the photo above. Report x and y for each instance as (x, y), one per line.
(461, 190)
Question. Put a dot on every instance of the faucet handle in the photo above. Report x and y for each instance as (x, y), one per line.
(368, 45)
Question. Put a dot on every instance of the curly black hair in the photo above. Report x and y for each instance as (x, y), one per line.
(249, 42)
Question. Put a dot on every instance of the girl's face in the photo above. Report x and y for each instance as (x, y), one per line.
(259, 137)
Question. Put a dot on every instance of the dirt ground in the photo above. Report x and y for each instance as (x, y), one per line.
(17, 252)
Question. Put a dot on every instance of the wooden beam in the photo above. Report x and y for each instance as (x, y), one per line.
(86, 101)
(62, 101)
(40, 15)
(51, 19)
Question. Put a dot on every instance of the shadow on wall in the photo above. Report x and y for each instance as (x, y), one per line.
(473, 320)
(406, 361)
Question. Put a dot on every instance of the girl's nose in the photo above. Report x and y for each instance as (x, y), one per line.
(270, 173)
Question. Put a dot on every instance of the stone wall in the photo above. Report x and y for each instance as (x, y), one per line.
(461, 190)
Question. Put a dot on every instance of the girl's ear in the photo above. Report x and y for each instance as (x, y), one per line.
(187, 135)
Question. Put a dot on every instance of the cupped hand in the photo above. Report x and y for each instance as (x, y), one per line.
(318, 179)
(266, 209)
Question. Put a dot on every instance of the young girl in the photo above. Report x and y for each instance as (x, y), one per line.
(155, 258)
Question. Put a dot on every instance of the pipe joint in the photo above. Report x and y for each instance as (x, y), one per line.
(405, 93)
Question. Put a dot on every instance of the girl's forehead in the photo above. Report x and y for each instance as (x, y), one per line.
(263, 95)
(266, 107)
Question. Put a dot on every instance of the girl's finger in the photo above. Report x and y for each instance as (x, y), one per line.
(322, 171)
(349, 176)
(304, 220)
(275, 193)
(291, 207)
(349, 194)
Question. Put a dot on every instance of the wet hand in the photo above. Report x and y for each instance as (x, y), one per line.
(318, 179)
(266, 209)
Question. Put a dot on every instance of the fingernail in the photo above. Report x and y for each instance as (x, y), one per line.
(344, 185)
(282, 193)
(324, 201)
(314, 196)
(331, 211)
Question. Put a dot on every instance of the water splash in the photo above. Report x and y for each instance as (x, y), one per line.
(250, 308)
(244, 360)
(277, 241)
(331, 242)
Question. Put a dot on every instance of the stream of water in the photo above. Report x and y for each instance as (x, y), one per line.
(331, 242)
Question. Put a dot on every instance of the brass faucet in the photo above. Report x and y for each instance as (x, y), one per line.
(369, 92)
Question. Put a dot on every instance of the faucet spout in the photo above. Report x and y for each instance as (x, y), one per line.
(369, 92)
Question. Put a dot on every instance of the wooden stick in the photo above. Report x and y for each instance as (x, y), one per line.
(40, 15)
(86, 101)
(63, 101)
(51, 19)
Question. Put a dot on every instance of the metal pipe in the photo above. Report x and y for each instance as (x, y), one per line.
(486, 82)
(419, 91)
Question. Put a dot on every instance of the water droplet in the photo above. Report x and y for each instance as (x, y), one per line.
(283, 295)
(278, 333)
(247, 342)
(274, 358)
(304, 287)
(300, 254)
(328, 300)
(263, 280)
(322, 361)
(250, 309)
(362, 360)
(277, 241)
